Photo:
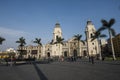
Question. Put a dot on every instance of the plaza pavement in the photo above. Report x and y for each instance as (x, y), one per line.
(80, 70)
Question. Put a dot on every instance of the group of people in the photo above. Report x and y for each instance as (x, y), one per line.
(91, 59)
(10, 61)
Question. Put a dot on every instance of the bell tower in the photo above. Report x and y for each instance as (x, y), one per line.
(92, 46)
(57, 32)
(57, 48)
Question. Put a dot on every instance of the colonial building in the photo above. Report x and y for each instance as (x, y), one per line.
(31, 51)
(74, 50)
(68, 48)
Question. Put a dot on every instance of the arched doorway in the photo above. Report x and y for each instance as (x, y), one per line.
(84, 53)
(75, 53)
(48, 54)
(65, 54)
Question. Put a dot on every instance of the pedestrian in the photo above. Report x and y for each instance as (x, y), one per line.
(6, 60)
(89, 59)
(92, 59)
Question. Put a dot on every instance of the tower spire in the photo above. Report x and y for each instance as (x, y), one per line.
(89, 22)
(57, 24)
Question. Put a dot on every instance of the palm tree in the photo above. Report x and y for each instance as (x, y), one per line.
(21, 42)
(59, 41)
(1, 40)
(78, 38)
(108, 25)
(98, 35)
(52, 42)
(38, 41)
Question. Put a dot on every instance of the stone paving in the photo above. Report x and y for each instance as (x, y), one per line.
(80, 70)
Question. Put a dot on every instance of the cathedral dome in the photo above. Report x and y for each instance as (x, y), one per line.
(57, 25)
(89, 22)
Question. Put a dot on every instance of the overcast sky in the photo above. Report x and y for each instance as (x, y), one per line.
(37, 18)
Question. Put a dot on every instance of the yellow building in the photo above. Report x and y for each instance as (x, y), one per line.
(9, 52)
(3, 55)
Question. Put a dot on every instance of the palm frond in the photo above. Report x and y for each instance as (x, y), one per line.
(102, 36)
(55, 42)
(83, 42)
(1, 40)
(17, 41)
(59, 40)
(21, 41)
(101, 29)
(97, 35)
(77, 37)
(93, 38)
(104, 22)
(111, 22)
(51, 42)
(38, 41)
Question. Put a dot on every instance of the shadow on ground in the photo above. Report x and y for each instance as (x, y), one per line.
(39, 72)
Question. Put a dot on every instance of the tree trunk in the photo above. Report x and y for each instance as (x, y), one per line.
(59, 49)
(78, 48)
(99, 49)
(113, 53)
(87, 48)
(21, 53)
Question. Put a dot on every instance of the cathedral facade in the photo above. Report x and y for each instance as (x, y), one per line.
(68, 48)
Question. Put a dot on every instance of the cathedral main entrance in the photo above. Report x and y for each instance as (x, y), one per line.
(65, 54)
(48, 54)
(75, 53)
(84, 53)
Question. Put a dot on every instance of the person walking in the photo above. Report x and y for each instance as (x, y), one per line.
(92, 59)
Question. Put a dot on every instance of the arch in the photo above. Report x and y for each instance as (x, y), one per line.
(65, 54)
(75, 53)
(48, 54)
(84, 53)
(91, 35)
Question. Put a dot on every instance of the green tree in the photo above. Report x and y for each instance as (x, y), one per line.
(98, 35)
(22, 43)
(78, 38)
(1, 40)
(38, 41)
(59, 41)
(111, 31)
(52, 42)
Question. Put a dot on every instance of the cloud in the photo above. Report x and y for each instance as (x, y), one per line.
(12, 32)
(11, 36)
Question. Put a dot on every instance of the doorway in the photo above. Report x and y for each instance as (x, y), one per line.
(65, 54)
(75, 53)
(48, 54)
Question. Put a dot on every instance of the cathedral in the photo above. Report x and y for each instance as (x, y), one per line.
(68, 48)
